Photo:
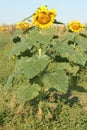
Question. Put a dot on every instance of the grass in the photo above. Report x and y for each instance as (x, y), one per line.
(52, 112)
(5, 64)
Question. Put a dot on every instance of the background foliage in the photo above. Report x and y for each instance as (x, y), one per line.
(50, 109)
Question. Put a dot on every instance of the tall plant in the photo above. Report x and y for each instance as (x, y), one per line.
(43, 57)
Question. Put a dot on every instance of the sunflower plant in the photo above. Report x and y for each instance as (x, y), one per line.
(23, 25)
(46, 60)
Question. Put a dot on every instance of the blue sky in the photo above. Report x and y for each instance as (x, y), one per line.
(12, 11)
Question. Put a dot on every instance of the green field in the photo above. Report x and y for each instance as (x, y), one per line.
(50, 111)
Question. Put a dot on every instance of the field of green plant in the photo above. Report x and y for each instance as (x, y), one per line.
(43, 75)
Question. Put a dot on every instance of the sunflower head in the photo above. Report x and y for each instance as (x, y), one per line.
(43, 17)
(23, 25)
(75, 26)
(4, 28)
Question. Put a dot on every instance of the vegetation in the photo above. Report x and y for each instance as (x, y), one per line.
(43, 75)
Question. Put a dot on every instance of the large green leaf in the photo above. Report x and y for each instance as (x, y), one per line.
(21, 47)
(57, 80)
(63, 65)
(36, 38)
(26, 93)
(68, 36)
(82, 42)
(79, 58)
(31, 67)
(74, 55)
(66, 66)
(43, 37)
(58, 65)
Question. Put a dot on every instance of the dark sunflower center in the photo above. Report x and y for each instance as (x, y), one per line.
(75, 26)
(43, 18)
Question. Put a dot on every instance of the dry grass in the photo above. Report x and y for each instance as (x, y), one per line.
(7, 28)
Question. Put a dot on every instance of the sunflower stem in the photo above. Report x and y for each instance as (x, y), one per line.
(39, 51)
